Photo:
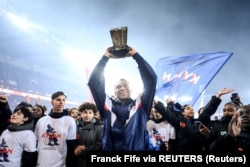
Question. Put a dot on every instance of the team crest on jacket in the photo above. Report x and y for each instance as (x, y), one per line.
(130, 106)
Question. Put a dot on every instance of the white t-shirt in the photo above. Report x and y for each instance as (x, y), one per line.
(160, 131)
(52, 134)
(12, 145)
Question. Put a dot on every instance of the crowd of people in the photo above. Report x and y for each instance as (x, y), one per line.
(64, 136)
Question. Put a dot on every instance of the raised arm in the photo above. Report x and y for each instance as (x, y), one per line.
(213, 105)
(5, 112)
(149, 79)
(97, 84)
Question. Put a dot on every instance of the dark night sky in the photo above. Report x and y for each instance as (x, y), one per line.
(76, 33)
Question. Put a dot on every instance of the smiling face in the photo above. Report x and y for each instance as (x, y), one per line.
(18, 118)
(37, 112)
(122, 90)
(87, 115)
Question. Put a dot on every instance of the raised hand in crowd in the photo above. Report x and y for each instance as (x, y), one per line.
(3, 98)
(223, 91)
(234, 126)
(28, 99)
(38, 100)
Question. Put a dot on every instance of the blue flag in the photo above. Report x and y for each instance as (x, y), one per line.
(184, 78)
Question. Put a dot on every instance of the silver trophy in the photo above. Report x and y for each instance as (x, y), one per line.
(119, 39)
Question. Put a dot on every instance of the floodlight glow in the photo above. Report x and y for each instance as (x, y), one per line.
(185, 99)
(22, 22)
(76, 57)
(71, 54)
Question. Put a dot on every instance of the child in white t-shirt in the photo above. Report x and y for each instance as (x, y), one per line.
(18, 141)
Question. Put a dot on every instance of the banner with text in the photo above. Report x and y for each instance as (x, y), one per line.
(183, 78)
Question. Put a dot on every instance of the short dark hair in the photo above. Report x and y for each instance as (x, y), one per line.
(26, 112)
(89, 106)
(56, 94)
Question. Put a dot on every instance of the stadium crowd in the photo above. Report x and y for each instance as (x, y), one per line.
(33, 135)
(20, 79)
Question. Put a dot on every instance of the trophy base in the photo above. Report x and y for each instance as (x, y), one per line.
(120, 52)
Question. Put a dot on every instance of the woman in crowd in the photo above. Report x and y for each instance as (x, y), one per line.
(74, 113)
(219, 128)
(38, 111)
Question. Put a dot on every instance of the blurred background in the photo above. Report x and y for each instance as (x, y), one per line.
(52, 45)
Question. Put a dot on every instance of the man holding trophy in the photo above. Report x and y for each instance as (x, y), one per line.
(124, 119)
